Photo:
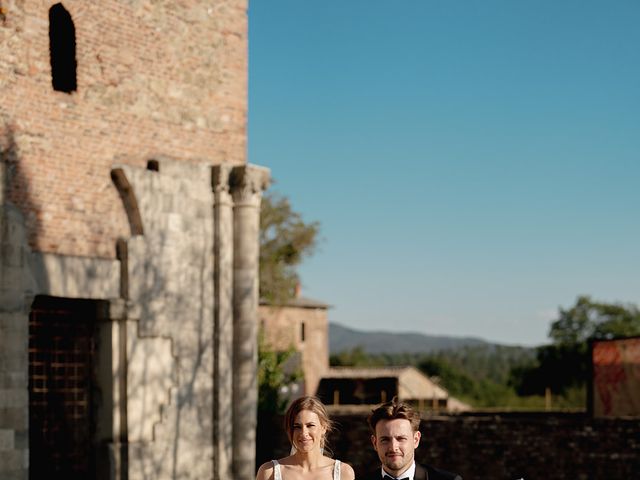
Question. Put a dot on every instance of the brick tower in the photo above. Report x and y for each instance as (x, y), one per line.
(129, 240)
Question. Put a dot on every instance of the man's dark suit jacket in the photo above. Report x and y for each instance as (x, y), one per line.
(423, 472)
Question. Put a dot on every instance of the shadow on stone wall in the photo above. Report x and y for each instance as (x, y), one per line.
(15, 186)
(17, 291)
(167, 281)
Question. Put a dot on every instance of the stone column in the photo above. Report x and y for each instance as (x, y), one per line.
(223, 324)
(112, 453)
(247, 183)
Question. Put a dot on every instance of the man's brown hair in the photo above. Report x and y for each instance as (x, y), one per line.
(392, 410)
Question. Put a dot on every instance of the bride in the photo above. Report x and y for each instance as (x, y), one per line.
(307, 424)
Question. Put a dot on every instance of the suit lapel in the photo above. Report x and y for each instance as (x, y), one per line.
(421, 473)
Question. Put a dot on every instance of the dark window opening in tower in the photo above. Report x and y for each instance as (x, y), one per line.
(62, 46)
(153, 165)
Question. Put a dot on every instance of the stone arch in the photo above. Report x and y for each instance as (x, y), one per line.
(129, 200)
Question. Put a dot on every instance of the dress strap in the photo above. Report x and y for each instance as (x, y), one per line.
(336, 470)
(277, 475)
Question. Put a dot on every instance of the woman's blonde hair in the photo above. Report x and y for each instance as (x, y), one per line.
(312, 404)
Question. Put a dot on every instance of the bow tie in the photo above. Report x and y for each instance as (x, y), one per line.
(389, 477)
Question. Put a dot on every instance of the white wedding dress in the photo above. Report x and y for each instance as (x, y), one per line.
(277, 474)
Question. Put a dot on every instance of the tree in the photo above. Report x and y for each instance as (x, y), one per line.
(285, 240)
(453, 379)
(564, 364)
(557, 367)
(588, 319)
(356, 357)
(273, 375)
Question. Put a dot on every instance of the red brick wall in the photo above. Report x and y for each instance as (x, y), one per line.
(154, 78)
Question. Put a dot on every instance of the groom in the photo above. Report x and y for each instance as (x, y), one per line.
(395, 436)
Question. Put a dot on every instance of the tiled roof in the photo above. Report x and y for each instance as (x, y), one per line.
(300, 302)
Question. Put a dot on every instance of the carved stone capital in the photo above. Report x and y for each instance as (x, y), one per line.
(220, 178)
(247, 183)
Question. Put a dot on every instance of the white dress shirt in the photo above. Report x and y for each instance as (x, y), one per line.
(408, 473)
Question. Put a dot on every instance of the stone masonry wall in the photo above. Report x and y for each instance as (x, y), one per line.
(14, 338)
(153, 77)
(497, 446)
(170, 351)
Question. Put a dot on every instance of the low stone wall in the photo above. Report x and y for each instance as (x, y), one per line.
(493, 446)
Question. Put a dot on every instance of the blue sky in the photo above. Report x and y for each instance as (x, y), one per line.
(474, 165)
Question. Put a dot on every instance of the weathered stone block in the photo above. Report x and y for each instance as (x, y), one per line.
(14, 379)
(21, 437)
(6, 439)
(11, 460)
(13, 397)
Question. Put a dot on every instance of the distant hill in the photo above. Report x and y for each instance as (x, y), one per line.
(343, 338)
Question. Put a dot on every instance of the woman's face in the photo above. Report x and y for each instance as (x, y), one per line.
(308, 431)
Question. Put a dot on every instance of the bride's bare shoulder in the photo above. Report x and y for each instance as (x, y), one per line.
(265, 472)
(287, 460)
(346, 472)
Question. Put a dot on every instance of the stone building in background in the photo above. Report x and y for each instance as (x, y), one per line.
(342, 387)
(301, 324)
(128, 241)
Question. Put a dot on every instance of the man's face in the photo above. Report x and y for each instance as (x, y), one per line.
(395, 441)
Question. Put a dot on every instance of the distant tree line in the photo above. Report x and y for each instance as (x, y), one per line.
(564, 365)
(494, 376)
(478, 375)
(485, 376)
